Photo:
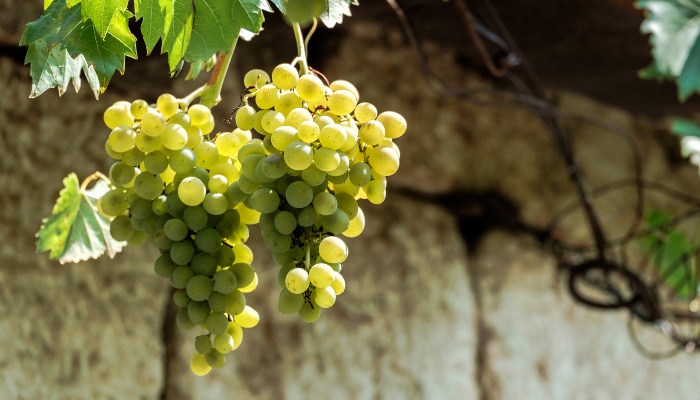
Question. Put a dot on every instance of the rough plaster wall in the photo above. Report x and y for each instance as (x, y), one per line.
(418, 320)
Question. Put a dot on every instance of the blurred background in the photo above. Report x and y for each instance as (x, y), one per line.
(455, 289)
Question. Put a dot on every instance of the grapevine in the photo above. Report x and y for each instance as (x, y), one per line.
(302, 155)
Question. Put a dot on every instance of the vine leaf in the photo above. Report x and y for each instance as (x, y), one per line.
(75, 231)
(672, 254)
(685, 127)
(335, 11)
(103, 12)
(63, 28)
(674, 26)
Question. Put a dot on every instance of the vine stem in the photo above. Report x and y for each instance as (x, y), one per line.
(301, 49)
(211, 92)
(95, 176)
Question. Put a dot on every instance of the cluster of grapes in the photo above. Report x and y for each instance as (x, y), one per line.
(321, 152)
(172, 187)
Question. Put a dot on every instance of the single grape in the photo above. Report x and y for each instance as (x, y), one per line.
(310, 312)
(198, 311)
(148, 186)
(321, 275)
(256, 78)
(394, 123)
(338, 284)
(181, 275)
(225, 281)
(297, 280)
(199, 287)
(215, 359)
(285, 222)
(342, 102)
(298, 155)
(324, 297)
(326, 159)
(265, 200)
(249, 318)
(332, 136)
(167, 105)
(152, 124)
(138, 108)
(121, 139)
(191, 191)
(267, 96)
(285, 76)
(199, 114)
(208, 240)
(336, 223)
(333, 249)
(356, 226)
(310, 88)
(175, 137)
(199, 365)
(299, 194)
(236, 302)
(376, 191)
(289, 303)
(202, 344)
(217, 323)
(203, 264)
(245, 118)
(118, 114)
(215, 203)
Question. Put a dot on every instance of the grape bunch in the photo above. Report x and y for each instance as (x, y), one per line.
(172, 187)
(321, 152)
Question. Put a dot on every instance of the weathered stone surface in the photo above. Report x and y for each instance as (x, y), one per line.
(403, 329)
(88, 331)
(541, 345)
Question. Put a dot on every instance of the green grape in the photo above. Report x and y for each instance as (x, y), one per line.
(324, 297)
(356, 226)
(224, 343)
(310, 88)
(273, 166)
(208, 240)
(249, 318)
(255, 78)
(302, 11)
(225, 256)
(182, 252)
(394, 123)
(152, 124)
(146, 143)
(360, 174)
(289, 303)
(175, 229)
(267, 96)
(228, 144)
(308, 131)
(217, 302)
(199, 114)
(137, 238)
(245, 274)
(148, 186)
(199, 287)
(225, 281)
(236, 303)
(164, 266)
(324, 120)
(342, 102)
(156, 162)
(217, 323)
(297, 280)
(118, 114)
(283, 136)
(245, 118)
(121, 139)
(198, 365)
(365, 112)
(194, 137)
(288, 102)
(206, 154)
(279, 242)
(285, 76)
(202, 344)
(375, 191)
(195, 217)
(265, 200)
(113, 203)
(345, 85)
(258, 122)
(309, 312)
(307, 217)
(325, 203)
(183, 320)
(332, 136)
(243, 253)
(141, 208)
(227, 170)
(298, 116)
(181, 275)
(120, 228)
(167, 105)
(191, 191)
(271, 121)
(321, 275)
(198, 311)
(215, 203)
(181, 298)
(347, 203)
(215, 359)
(336, 223)
(175, 206)
(121, 174)
(313, 176)
(175, 137)
(340, 173)
(181, 118)
(326, 159)
(338, 284)
(133, 157)
(333, 249)
(299, 194)
(285, 222)
(249, 164)
(182, 161)
(298, 155)
(384, 160)
(138, 108)
(372, 132)
(203, 264)
(254, 146)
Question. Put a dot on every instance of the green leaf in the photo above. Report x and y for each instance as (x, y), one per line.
(153, 23)
(75, 231)
(63, 27)
(335, 11)
(671, 254)
(685, 127)
(101, 12)
(56, 68)
(177, 31)
(674, 26)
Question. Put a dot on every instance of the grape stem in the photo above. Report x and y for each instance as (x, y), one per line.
(301, 49)
(95, 176)
(210, 93)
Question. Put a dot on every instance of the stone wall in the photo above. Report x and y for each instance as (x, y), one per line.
(424, 317)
